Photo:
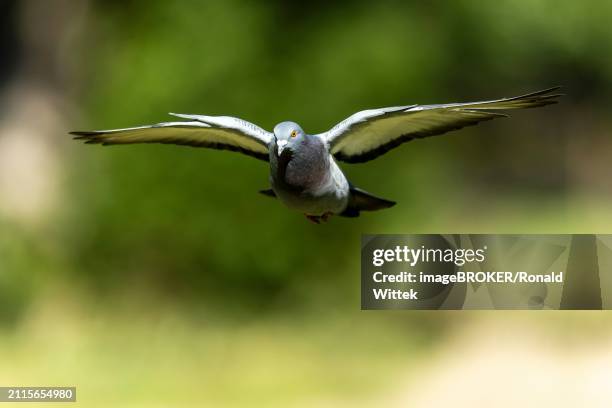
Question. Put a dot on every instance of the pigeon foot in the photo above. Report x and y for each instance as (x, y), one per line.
(317, 219)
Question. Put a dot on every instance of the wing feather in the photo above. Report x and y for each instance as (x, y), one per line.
(216, 132)
(371, 133)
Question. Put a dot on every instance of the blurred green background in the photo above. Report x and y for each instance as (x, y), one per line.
(157, 276)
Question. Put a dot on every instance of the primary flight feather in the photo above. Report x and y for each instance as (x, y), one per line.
(304, 174)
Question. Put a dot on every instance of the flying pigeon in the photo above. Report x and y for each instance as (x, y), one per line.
(304, 174)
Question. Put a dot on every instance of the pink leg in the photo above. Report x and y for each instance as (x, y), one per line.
(326, 216)
(313, 218)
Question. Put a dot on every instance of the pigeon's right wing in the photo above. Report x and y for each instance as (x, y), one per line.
(216, 132)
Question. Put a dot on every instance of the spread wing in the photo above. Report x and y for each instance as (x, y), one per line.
(371, 133)
(216, 132)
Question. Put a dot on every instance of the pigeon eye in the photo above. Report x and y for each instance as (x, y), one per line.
(293, 133)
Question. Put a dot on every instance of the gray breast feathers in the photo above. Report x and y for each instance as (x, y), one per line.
(309, 165)
(305, 166)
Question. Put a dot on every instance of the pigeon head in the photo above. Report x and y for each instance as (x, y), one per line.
(288, 134)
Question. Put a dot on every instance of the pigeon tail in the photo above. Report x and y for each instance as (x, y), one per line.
(269, 192)
(360, 200)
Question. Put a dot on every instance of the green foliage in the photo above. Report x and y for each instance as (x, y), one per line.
(190, 221)
(166, 278)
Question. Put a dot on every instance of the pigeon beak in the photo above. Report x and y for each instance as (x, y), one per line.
(281, 145)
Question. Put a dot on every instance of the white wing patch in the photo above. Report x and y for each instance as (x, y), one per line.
(371, 133)
(216, 132)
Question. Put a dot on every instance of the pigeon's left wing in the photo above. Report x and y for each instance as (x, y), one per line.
(216, 132)
(371, 133)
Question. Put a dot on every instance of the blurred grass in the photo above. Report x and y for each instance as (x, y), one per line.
(133, 348)
(158, 355)
(127, 357)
